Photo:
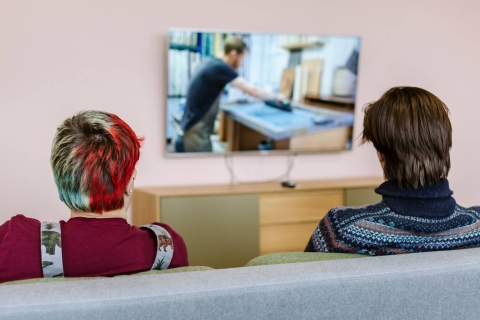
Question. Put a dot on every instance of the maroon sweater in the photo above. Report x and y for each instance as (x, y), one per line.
(90, 247)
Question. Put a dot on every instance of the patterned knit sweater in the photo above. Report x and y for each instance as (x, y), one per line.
(405, 221)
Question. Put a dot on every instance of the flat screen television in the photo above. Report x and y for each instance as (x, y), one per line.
(237, 92)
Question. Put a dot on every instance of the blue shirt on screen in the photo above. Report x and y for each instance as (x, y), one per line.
(206, 85)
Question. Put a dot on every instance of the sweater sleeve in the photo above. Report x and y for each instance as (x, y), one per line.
(316, 242)
(329, 235)
(310, 247)
(180, 255)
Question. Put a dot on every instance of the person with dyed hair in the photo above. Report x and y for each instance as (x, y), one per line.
(93, 159)
(411, 132)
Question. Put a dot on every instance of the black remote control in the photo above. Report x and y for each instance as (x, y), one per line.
(288, 184)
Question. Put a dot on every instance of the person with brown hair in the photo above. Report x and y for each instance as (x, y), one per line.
(411, 131)
(203, 95)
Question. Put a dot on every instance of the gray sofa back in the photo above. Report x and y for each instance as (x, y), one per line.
(433, 285)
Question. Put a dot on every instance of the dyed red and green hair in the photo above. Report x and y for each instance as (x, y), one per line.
(93, 157)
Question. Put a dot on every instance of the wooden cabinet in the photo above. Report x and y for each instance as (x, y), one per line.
(294, 207)
(219, 231)
(288, 220)
(285, 237)
(227, 225)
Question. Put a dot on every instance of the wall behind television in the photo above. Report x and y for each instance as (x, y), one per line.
(58, 57)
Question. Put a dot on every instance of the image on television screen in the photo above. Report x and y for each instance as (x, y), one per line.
(246, 92)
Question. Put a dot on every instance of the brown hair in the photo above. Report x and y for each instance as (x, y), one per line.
(411, 128)
(234, 43)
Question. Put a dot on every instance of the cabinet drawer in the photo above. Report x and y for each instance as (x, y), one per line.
(285, 237)
(298, 207)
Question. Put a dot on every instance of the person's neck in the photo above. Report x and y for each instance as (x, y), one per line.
(226, 60)
(120, 213)
(432, 201)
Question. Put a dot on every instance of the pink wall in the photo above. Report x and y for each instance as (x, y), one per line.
(58, 57)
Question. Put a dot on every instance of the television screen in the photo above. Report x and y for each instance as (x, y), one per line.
(255, 92)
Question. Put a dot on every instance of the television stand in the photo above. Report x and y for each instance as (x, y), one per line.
(226, 226)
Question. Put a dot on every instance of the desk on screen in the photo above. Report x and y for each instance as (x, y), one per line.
(281, 125)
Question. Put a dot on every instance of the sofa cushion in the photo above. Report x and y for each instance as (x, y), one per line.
(293, 257)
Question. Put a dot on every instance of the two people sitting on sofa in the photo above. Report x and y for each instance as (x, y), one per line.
(93, 160)
(411, 131)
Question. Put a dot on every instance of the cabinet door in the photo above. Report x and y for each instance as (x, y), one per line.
(287, 220)
(219, 231)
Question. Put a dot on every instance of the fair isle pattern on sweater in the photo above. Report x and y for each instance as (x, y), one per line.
(379, 230)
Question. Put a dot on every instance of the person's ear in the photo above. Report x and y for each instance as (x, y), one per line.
(127, 197)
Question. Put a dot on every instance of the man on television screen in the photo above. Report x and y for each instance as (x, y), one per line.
(205, 89)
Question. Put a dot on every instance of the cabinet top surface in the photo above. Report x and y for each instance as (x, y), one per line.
(246, 188)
